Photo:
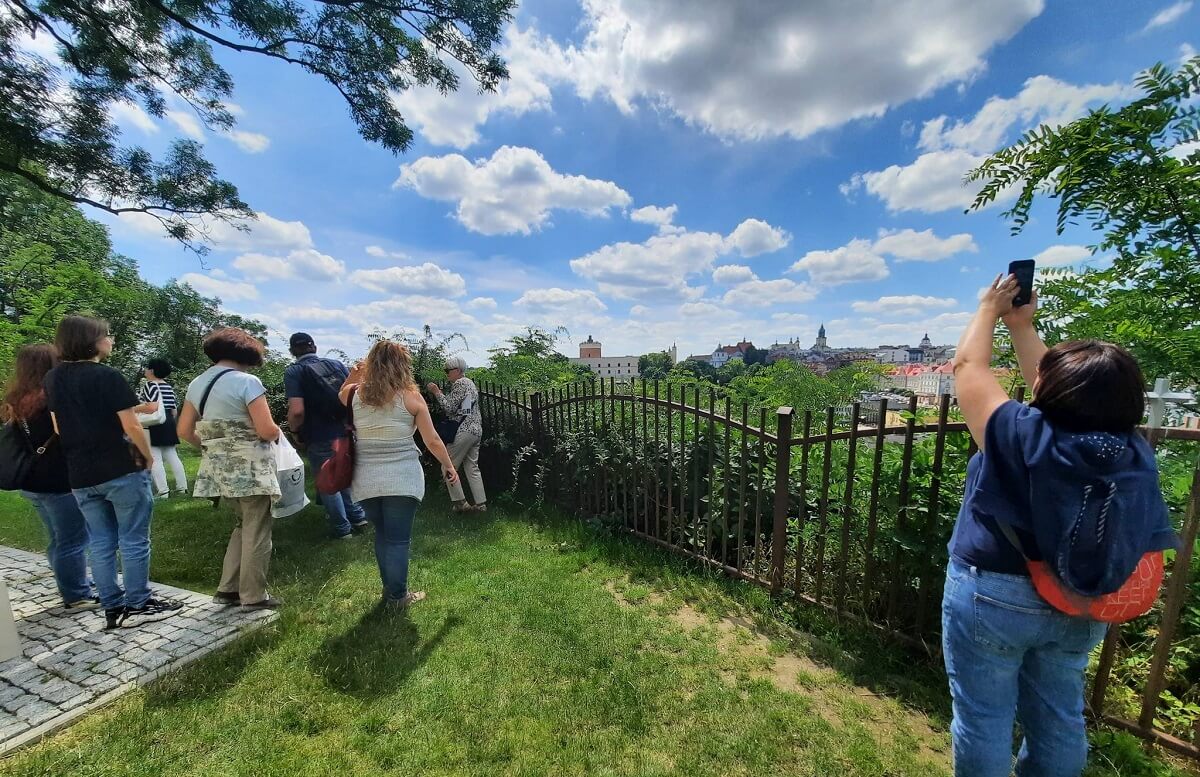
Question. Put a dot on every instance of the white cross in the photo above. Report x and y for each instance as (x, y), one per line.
(1157, 399)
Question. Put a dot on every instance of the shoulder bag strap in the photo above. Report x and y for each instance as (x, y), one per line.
(350, 409)
(207, 391)
(41, 449)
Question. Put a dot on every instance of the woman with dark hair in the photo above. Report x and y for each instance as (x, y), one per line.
(46, 487)
(225, 414)
(163, 437)
(1066, 481)
(388, 480)
(108, 456)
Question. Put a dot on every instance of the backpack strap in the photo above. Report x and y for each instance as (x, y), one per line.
(208, 390)
(1011, 535)
(350, 409)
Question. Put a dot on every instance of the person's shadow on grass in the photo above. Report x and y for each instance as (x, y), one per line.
(378, 654)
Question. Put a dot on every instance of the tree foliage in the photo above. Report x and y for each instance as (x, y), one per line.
(654, 366)
(1132, 174)
(56, 129)
(528, 362)
(55, 262)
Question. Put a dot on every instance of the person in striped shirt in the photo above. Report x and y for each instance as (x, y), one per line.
(163, 438)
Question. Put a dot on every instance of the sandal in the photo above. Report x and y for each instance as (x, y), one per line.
(462, 507)
(412, 597)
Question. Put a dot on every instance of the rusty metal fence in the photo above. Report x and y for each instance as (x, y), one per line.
(848, 510)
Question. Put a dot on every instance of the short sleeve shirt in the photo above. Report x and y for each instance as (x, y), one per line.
(230, 397)
(999, 471)
(86, 397)
(317, 428)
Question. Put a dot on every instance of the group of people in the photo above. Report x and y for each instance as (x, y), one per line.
(1065, 482)
(96, 472)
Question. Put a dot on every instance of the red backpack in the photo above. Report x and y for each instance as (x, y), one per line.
(1135, 597)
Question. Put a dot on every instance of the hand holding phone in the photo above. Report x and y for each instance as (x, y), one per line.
(1023, 269)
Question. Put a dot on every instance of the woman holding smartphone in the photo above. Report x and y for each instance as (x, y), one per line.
(388, 480)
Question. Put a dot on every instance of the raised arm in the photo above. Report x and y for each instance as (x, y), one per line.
(979, 393)
(1025, 339)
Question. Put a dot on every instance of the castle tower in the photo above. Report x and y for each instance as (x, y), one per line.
(589, 349)
(821, 344)
(673, 354)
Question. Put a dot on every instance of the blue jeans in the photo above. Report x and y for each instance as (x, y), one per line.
(340, 509)
(118, 517)
(67, 551)
(393, 518)
(1010, 656)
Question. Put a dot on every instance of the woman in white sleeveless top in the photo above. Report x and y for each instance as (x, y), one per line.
(388, 480)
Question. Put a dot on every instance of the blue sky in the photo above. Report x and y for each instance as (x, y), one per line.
(662, 171)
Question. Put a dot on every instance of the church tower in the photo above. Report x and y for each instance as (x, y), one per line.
(926, 342)
(821, 344)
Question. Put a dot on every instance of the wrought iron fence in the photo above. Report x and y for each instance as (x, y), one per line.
(836, 508)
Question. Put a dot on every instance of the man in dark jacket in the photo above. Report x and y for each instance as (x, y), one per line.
(317, 419)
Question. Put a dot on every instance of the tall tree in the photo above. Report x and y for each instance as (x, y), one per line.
(654, 366)
(56, 129)
(1132, 174)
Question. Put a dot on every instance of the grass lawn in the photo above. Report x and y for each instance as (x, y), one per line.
(544, 648)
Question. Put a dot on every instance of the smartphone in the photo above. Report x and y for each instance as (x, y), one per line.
(1023, 269)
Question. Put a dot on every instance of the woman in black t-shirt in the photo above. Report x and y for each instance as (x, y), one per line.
(108, 462)
(46, 486)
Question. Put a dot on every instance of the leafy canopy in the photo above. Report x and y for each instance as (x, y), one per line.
(1132, 174)
(56, 129)
(528, 362)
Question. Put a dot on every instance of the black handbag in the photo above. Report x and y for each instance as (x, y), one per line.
(447, 430)
(17, 457)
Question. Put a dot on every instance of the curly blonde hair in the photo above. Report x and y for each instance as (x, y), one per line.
(388, 374)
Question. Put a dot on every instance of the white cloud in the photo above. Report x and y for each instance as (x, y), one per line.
(1042, 100)
(1059, 256)
(453, 119)
(1168, 15)
(934, 182)
(758, 70)
(660, 266)
(186, 123)
(910, 245)
(124, 112)
(250, 142)
(301, 264)
(424, 279)
(753, 237)
(512, 192)
(559, 300)
(904, 305)
(777, 292)
(855, 261)
(733, 274)
(662, 218)
(483, 303)
(700, 310)
(942, 328)
(227, 291)
(1183, 150)
(382, 253)
(639, 311)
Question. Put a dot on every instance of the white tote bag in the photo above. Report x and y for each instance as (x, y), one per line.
(156, 418)
(289, 467)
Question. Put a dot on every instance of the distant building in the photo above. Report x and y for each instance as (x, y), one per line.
(927, 382)
(821, 344)
(727, 353)
(620, 367)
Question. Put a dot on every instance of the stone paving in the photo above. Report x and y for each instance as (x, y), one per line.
(72, 666)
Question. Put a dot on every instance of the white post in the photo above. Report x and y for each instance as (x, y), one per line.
(10, 644)
(1157, 399)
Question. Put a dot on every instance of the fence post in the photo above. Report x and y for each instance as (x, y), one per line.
(783, 465)
(535, 402)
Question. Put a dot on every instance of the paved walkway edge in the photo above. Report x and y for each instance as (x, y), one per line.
(36, 734)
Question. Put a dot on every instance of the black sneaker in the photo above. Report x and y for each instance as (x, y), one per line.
(227, 600)
(155, 609)
(270, 603)
(112, 618)
(361, 526)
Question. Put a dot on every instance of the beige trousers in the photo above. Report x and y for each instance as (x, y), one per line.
(464, 452)
(249, 551)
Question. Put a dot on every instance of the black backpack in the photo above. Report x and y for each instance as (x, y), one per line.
(324, 380)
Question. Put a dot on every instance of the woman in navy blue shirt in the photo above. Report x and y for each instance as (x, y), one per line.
(1076, 485)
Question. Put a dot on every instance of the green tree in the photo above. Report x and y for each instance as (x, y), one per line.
(694, 369)
(528, 362)
(1132, 174)
(55, 125)
(654, 366)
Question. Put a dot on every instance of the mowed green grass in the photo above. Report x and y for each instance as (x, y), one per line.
(522, 661)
